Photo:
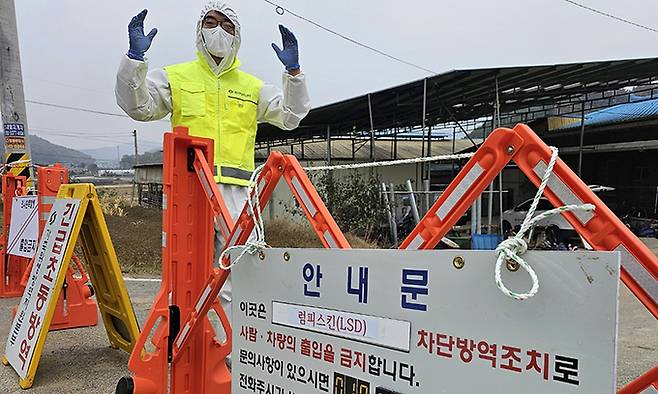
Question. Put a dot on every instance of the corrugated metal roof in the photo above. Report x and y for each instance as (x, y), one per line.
(621, 113)
(342, 149)
(468, 94)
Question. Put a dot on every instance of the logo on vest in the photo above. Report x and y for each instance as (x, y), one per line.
(240, 98)
(240, 94)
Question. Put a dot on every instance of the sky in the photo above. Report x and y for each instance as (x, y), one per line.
(71, 49)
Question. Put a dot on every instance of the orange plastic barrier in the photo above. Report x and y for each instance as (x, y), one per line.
(75, 307)
(12, 267)
(643, 384)
(600, 228)
(278, 166)
(192, 359)
(50, 179)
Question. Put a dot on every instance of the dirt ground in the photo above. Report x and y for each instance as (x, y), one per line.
(136, 233)
(136, 236)
(137, 240)
(138, 243)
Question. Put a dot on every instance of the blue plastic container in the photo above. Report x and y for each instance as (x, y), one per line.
(485, 241)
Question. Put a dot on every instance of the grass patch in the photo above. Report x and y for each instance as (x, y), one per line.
(287, 234)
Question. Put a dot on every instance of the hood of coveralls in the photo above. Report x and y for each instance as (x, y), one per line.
(228, 61)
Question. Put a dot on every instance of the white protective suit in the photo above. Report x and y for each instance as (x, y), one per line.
(145, 95)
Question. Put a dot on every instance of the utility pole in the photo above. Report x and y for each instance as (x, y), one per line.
(582, 139)
(136, 151)
(118, 157)
(132, 199)
(372, 130)
(12, 105)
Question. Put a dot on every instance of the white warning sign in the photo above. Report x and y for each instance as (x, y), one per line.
(24, 226)
(38, 296)
(391, 321)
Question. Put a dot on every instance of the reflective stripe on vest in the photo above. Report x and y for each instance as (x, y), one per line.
(236, 173)
(222, 108)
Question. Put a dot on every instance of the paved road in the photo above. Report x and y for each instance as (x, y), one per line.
(80, 361)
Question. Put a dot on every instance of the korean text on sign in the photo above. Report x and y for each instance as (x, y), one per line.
(28, 324)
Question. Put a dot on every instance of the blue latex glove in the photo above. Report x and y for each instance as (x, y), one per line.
(139, 43)
(289, 55)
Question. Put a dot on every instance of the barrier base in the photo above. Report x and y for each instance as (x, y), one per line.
(79, 309)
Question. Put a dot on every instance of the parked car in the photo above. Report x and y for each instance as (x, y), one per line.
(558, 230)
(513, 218)
(638, 220)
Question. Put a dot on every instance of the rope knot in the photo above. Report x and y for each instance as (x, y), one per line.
(512, 249)
(514, 246)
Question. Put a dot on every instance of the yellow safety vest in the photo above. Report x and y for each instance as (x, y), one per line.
(223, 108)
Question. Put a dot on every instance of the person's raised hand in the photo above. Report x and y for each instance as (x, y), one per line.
(139, 43)
(289, 55)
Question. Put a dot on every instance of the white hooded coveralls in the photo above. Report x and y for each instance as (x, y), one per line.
(145, 96)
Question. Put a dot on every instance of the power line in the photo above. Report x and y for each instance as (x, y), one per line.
(83, 156)
(83, 137)
(112, 133)
(121, 139)
(111, 136)
(107, 140)
(611, 16)
(81, 134)
(281, 10)
(151, 143)
(93, 111)
(97, 91)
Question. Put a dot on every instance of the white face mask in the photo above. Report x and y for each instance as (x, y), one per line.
(218, 41)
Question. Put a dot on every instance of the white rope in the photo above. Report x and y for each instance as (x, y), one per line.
(457, 156)
(251, 246)
(513, 248)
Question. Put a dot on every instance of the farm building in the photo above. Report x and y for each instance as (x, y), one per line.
(443, 113)
(148, 181)
(619, 149)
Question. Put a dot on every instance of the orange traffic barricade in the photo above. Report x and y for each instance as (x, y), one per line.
(600, 228)
(75, 306)
(178, 348)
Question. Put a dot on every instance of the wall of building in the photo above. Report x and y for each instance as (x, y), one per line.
(146, 174)
(283, 202)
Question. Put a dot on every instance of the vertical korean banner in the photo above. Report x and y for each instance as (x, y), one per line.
(24, 226)
(38, 296)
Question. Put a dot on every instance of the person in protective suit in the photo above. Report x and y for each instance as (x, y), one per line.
(214, 98)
